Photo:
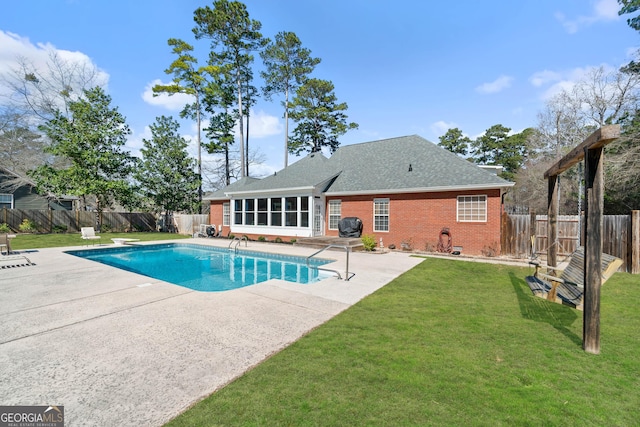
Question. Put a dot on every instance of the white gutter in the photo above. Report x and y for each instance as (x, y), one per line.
(420, 190)
(273, 190)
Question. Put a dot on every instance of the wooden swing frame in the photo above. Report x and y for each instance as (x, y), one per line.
(592, 151)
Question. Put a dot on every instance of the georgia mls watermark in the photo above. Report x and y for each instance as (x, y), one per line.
(31, 416)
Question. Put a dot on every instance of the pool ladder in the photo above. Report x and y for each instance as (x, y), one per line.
(347, 249)
(237, 241)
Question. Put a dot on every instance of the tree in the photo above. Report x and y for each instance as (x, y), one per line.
(320, 118)
(233, 37)
(192, 80)
(34, 93)
(220, 132)
(166, 173)
(41, 92)
(249, 99)
(90, 142)
(453, 140)
(496, 147)
(630, 6)
(21, 150)
(287, 65)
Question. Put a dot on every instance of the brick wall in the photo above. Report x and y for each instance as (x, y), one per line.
(417, 219)
(215, 216)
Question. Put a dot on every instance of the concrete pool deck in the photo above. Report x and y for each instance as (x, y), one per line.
(118, 348)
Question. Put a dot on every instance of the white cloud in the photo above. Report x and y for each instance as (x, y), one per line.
(441, 127)
(499, 84)
(263, 125)
(174, 102)
(16, 51)
(541, 78)
(554, 82)
(602, 11)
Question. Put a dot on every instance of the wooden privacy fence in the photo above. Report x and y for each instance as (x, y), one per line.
(618, 233)
(50, 221)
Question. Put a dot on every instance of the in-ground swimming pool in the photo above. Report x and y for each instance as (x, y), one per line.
(205, 268)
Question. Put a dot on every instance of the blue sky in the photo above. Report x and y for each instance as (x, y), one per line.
(404, 66)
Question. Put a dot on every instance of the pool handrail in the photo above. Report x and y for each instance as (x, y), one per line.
(347, 249)
(238, 240)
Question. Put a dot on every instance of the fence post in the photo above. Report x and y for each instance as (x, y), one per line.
(634, 241)
(504, 234)
(533, 233)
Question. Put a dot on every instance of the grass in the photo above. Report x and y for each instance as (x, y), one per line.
(39, 241)
(447, 343)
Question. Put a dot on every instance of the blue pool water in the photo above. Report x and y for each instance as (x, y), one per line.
(204, 268)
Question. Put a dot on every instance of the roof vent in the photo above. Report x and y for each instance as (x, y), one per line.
(410, 168)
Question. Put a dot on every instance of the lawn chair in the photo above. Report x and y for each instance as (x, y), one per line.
(568, 288)
(88, 233)
(10, 261)
(5, 245)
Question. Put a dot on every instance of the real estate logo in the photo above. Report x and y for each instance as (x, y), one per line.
(31, 416)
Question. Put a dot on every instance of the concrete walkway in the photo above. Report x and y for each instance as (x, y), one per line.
(118, 348)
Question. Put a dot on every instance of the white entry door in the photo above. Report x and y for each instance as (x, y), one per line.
(318, 217)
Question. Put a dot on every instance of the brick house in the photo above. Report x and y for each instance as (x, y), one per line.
(405, 190)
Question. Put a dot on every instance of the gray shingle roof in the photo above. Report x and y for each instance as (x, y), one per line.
(239, 185)
(384, 165)
(308, 172)
(376, 167)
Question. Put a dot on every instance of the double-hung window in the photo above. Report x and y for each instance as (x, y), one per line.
(237, 210)
(381, 215)
(291, 211)
(276, 212)
(226, 214)
(304, 211)
(262, 211)
(472, 208)
(335, 212)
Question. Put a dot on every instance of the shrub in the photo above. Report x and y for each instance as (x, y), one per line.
(4, 228)
(293, 241)
(278, 240)
(369, 242)
(262, 239)
(59, 229)
(231, 236)
(27, 226)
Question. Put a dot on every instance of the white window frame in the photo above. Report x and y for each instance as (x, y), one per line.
(335, 213)
(471, 208)
(378, 213)
(226, 214)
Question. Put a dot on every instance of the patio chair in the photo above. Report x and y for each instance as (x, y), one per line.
(88, 233)
(5, 246)
(568, 288)
(10, 261)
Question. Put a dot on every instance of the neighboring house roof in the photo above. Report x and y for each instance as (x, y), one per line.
(395, 165)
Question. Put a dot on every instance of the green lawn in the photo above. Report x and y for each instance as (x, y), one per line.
(38, 241)
(449, 343)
